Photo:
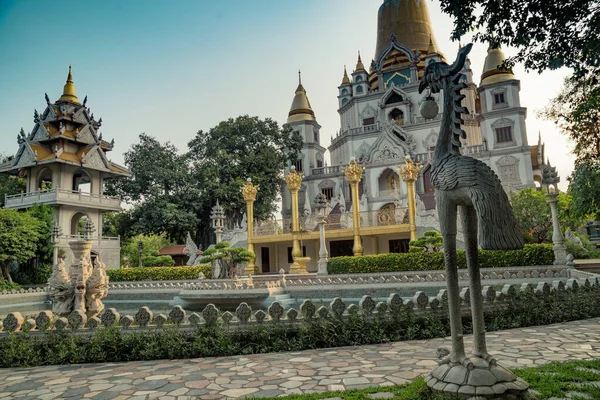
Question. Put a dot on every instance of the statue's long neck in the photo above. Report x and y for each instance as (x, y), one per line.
(450, 131)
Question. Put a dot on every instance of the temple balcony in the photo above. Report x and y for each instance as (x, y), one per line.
(64, 197)
(326, 170)
(468, 150)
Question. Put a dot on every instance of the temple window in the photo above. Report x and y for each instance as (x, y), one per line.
(397, 116)
(344, 101)
(298, 165)
(345, 91)
(499, 98)
(359, 89)
(327, 192)
(358, 79)
(45, 180)
(82, 182)
(369, 121)
(504, 134)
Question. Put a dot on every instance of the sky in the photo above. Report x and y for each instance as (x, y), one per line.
(172, 68)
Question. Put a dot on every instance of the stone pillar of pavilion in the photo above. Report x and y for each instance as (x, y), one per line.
(354, 174)
(249, 192)
(410, 173)
(550, 179)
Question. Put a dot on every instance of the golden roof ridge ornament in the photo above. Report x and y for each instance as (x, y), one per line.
(69, 92)
(354, 171)
(249, 190)
(410, 170)
(360, 67)
(294, 179)
(346, 79)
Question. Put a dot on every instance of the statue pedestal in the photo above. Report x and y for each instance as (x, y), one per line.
(299, 265)
(482, 381)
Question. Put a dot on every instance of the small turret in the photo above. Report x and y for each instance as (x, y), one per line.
(492, 73)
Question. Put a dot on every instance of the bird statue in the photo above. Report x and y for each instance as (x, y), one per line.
(468, 188)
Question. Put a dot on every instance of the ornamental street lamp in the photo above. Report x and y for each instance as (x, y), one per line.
(217, 215)
(321, 206)
(550, 180)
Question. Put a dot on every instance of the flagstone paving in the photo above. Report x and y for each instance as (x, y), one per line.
(286, 373)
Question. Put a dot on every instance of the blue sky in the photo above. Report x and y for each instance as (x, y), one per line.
(171, 68)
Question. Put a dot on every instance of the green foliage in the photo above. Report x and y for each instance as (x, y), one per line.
(152, 245)
(530, 255)
(532, 213)
(429, 239)
(584, 188)
(158, 273)
(19, 238)
(157, 261)
(6, 285)
(10, 184)
(231, 257)
(115, 345)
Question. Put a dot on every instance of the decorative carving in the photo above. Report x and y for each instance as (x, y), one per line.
(508, 169)
(466, 185)
(294, 179)
(354, 172)
(249, 191)
(94, 160)
(410, 170)
(192, 251)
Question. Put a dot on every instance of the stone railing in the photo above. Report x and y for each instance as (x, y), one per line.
(385, 217)
(326, 170)
(54, 196)
(468, 150)
(276, 313)
(23, 291)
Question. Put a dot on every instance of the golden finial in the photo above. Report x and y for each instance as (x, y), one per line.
(359, 64)
(431, 48)
(354, 171)
(294, 179)
(346, 80)
(410, 170)
(69, 93)
(249, 190)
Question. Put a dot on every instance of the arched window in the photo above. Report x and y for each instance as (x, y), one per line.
(344, 91)
(82, 182)
(44, 181)
(78, 224)
(388, 183)
(344, 101)
(397, 116)
(359, 89)
(358, 79)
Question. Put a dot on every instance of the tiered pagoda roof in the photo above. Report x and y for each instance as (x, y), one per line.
(66, 132)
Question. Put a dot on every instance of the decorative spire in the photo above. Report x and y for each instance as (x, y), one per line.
(299, 78)
(301, 109)
(492, 72)
(346, 79)
(431, 48)
(360, 67)
(69, 93)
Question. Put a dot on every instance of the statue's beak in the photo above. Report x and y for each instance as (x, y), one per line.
(423, 85)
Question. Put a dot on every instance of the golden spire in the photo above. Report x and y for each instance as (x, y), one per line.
(301, 109)
(346, 79)
(69, 90)
(360, 67)
(491, 71)
(431, 48)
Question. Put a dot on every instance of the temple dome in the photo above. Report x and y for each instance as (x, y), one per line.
(301, 109)
(409, 21)
(491, 73)
(69, 93)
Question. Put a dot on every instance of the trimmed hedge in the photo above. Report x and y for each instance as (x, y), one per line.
(532, 254)
(157, 261)
(158, 273)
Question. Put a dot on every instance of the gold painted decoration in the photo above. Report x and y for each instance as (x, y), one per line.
(410, 170)
(354, 171)
(249, 190)
(294, 179)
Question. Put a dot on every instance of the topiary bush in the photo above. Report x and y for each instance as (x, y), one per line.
(534, 254)
(157, 261)
(158, 273)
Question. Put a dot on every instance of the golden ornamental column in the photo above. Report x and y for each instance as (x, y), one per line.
(249, 192)
(354, 174)
(294, 182)
(410, 173)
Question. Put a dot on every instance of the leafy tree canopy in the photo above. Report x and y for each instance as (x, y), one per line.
(152, 245)
(584, 188)
(10, 184)
(548, 34)
(19, 238)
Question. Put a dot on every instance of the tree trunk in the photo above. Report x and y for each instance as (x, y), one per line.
(6, 273)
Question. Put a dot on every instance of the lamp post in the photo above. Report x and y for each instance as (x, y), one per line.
(550, 179)
(56, 233)
(140, 250)
(217, 216)
(410, 173)
(354, 174)
(249, 192)
(321, 206)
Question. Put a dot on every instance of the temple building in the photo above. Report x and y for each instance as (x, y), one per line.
(381, 123)
(64, 162)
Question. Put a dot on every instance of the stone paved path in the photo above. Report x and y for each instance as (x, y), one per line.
(285, 373)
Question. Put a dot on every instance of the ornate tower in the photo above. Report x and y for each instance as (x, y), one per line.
(64, 161)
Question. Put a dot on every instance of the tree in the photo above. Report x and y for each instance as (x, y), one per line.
(236, 149)
(548, 34)
(532, 214)
(430, 241)
(10, 184)
(19, 238)
(230, 258)
(584, 188)
(151, 247)
(159, 188)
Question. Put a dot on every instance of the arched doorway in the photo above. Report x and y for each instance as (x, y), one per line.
(44, 180)
(82, 182)
(388, 183)
(78, 224)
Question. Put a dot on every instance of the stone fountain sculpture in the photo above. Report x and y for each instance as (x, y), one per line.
(469, 188)
(84, 286)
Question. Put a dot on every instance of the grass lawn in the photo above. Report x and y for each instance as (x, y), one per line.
(578, 378)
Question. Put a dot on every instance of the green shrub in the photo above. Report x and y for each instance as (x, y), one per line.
(5, 285)
(115, 345)
(534, 254)
(157, 261)
(158, 273)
